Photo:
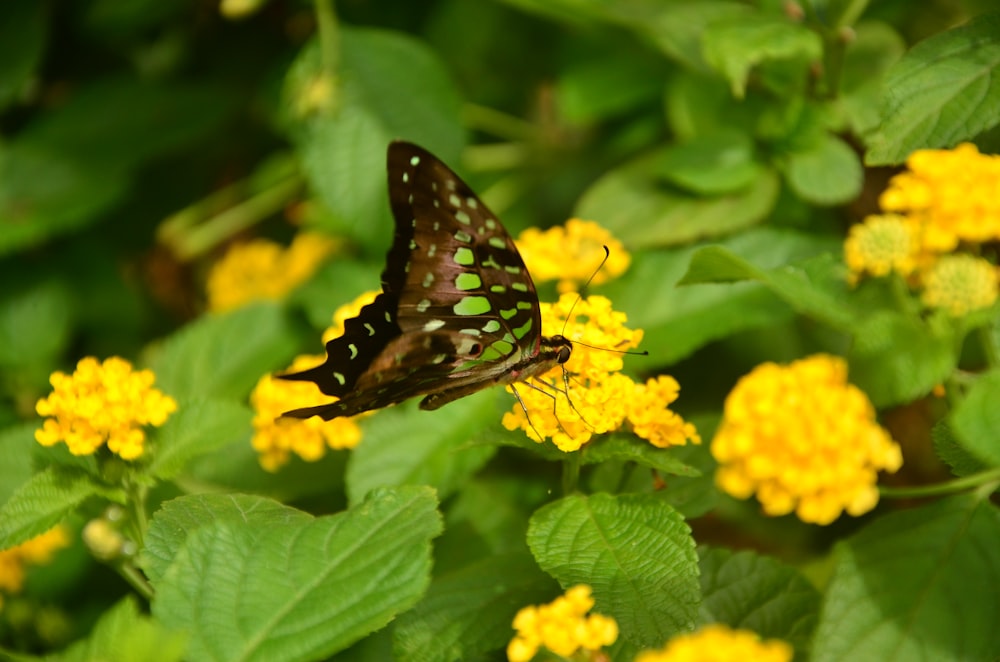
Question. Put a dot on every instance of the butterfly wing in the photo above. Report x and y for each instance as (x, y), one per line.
(458, 308)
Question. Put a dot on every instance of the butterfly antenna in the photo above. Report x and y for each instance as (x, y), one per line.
(579, 295)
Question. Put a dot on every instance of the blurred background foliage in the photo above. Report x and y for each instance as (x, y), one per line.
(138, 139)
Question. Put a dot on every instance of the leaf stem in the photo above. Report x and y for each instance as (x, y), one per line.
(329, 36)
(981, 479)
(490, 120)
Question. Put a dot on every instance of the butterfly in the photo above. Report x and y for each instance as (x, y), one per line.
(458, 311)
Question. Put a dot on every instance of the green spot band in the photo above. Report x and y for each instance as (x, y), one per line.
(462, 217)
(491, 327)
(428, 279)
(522, 331)
(520, 287)
(507, 314)
(339, 377)
(498, 289)
(490, 354)
(468, 281)
(353, 348)
(503, 347)
(464, 257)
(463, 236)
(472, 306)
(497, 242)
(524, 305)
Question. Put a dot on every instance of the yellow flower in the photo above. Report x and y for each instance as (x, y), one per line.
(261, 269)
(950, 194)
(960, 284)
(571, 254)
(802, 438)
(37, 551)
(880, 245)
(599, 398)
(276, 438)
(720, 643)
(102, 403)
(562, 626)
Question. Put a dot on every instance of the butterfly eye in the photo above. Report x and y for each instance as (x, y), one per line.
(564, 353)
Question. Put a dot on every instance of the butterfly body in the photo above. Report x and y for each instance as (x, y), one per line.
(458, 311)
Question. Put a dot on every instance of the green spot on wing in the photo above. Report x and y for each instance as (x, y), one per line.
(472, 306)
(491, 327)
(465, 257)
(503, 347)
(497, 242)
(507, 314)
(523, 330)
(468, 281)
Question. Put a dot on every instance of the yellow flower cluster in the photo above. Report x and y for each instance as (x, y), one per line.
(599, 398)
(37, 551)
(261, 269)
(572, 253)
(276, 438)
(562, 626)
(102, 403)
(945, 201)
(720, 643)
(802, 438)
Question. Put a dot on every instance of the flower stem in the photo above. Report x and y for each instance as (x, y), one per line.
(329, 36)
(571, 473)
(982, 478)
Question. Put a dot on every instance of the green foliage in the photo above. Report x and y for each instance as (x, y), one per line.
(728, 145)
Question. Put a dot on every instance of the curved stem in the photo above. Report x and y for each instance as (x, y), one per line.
(136, 580)
(981, 479)
(502, 125)
(329, 36)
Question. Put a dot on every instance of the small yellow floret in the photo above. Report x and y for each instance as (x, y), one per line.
(803, 439)
(960, 284)
(881, 245)
(37, 551)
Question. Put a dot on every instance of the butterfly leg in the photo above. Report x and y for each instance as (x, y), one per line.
(524, 408)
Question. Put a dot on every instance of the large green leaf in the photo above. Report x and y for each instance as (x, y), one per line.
(124, 634)
(946, 89)
(916, 585)
(252, 580)
(634, 551)
(22, 42)
(976, 419)
(198, 428)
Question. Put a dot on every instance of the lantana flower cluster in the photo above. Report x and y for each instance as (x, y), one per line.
(936, 215)
(262, 269)
(563, 626)
(102, 403)
(571, 253)
(720, 643)
(588, 395)
(37, 551)
(275, 438)
(803, 439)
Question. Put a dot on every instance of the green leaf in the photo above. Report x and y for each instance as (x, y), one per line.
(679, 27)
(814, 287)
(634, 551)
(343, 147)
(470, 611)
(198, 428)
(946, 89)
(124, 634)
(714, 164)
(747, 591)
(827, 173)
(919, 584)
(16, 444)
(44, 193)
(22, 42)
(976, 419)
(224, 355)
(35, 319)
(734, 46)
(896, 358)
(952, 452)
(249, 581)
(496, 508)
(408, 446)
(41, 503)
(603, 88)
(640, 451)
(875, 48)
(636, 207)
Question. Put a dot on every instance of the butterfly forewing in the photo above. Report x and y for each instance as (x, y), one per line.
(458, 311)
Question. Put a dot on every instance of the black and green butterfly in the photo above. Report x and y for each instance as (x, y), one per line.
(458, 310)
